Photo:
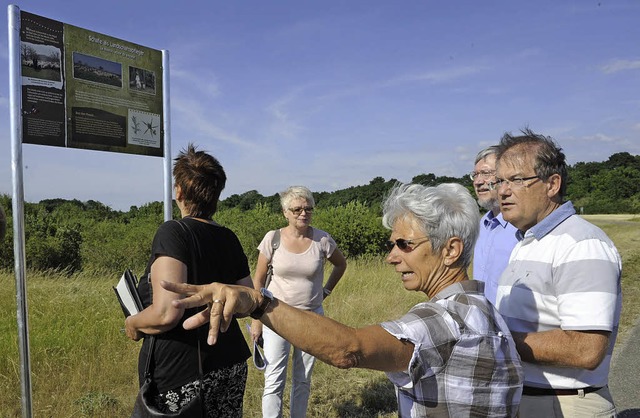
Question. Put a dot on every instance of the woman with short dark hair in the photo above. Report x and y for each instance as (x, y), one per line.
(197, 243)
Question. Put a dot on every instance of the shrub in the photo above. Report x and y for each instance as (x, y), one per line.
(251, 226)
(356, 228)
(114, 246)
(51, 243)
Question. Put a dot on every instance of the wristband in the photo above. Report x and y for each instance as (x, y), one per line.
(267, 298)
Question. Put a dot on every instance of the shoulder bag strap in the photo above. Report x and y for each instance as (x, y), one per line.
(147, 367)
(194, 272)
(275, 243)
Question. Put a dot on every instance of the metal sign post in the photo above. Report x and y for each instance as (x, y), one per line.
(15, 104)
(166, 104)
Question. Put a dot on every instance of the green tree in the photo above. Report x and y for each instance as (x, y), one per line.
(356, 228)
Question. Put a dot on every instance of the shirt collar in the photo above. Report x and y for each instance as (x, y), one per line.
(490, 221)
(548, 224)
(465, 286)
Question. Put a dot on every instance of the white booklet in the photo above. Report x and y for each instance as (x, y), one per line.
(127, 294)
(258, 356)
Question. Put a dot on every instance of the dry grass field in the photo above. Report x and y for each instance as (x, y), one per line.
(83, 366)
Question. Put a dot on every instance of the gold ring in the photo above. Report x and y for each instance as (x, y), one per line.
(217, 301)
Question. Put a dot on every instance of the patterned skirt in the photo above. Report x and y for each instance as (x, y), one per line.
(223, 392)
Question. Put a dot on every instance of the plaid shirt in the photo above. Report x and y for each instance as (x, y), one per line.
(464, 363)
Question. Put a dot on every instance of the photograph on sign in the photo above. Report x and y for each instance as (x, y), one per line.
(43, 92)
(142, 81)
(97, 70)
(41, 62)
(83, 89)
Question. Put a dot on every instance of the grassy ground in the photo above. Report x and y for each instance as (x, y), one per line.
(83, 366)
(624, 230)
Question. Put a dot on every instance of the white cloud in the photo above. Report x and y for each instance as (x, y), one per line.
(621, 65)
(438, 77)
(204, 82)
(599, 137)
(529, 53)
(194, 121)
(283, 124)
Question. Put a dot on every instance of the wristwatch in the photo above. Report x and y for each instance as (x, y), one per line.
(267, 298)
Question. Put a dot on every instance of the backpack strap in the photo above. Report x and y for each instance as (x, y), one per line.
(275, 243)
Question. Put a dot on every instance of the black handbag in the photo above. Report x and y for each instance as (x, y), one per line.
(145, 406)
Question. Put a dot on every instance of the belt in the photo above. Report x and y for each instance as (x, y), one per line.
(532, 391)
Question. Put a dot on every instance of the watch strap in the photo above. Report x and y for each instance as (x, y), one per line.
(267, 298)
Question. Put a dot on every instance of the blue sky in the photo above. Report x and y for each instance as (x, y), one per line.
(330, 94)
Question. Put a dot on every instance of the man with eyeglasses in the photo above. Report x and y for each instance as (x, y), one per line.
(497, 237)
(560, 294)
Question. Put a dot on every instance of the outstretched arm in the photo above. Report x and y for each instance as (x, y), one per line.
(332, 342)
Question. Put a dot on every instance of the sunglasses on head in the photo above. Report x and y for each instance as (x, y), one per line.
(298, 210)
(403, 244)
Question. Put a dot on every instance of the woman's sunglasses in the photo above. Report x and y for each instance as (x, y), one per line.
(403, 244)
(298, 210)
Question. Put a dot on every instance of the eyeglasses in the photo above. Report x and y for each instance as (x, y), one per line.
(514, 183)
(298, 210)
(403, 244)
(484, 174)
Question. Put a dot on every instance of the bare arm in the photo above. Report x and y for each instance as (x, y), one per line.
(332, 342)
(339, 267)
(259, 281)
(161, 315)
(245, 281)
(588, 348)
(336, 344)
(260, 276)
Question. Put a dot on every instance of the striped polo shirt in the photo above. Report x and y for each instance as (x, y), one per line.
(563, 274)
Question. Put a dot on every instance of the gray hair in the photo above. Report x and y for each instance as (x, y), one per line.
(492, 150)
(295, 192)
(441, 212)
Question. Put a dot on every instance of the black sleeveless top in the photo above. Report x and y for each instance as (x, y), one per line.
(220, 258)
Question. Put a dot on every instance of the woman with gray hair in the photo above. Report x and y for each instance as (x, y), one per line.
(298, 274)
(450, 356)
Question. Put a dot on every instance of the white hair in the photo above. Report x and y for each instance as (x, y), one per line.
(441, 212)
(295, 192)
